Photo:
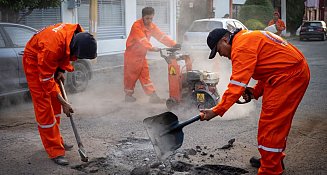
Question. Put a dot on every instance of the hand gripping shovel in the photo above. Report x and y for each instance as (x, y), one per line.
(81, 150)
(166, 132)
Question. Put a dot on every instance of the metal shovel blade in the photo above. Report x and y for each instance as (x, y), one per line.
(164, 143)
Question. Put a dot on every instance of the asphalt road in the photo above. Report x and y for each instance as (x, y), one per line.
(105, 121)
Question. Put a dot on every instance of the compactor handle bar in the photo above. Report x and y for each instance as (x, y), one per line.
(171, 51)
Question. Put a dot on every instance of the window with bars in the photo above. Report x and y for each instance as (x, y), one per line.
(111, 18)
(40, 18)
(162, 12)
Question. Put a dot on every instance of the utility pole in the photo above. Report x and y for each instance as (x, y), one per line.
(210, 8)
(93, 17)
(230, 8)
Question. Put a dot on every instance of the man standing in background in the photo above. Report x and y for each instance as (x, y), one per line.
(280, 25)
(135, 62)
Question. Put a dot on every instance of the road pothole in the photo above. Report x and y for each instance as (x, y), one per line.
(136, 156)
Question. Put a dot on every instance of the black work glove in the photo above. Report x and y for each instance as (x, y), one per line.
(177, 46)
(59, 75)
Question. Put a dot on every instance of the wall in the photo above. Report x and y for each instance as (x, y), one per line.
(221, 7)
(114, 46)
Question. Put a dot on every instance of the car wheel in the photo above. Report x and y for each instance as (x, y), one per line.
(78, 80)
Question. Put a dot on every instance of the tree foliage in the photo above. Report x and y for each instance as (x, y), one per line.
(258, 2)
(10, 8)
(254, 24)
(294, 14)
(261, 10)
(17, 5)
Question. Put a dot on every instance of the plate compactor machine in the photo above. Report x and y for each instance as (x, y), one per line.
(186, 86)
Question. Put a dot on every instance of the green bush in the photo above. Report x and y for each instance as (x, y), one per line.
(261, 10)
(254, 24)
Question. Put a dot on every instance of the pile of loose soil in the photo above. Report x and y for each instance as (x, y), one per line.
(136, 156)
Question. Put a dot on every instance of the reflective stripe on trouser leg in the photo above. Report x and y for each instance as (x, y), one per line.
(145, 80)
(270, 163)
(281, 98)
(132, 70)
(48, 125)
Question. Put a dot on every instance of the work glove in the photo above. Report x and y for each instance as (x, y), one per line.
(177, 46)
(248, 94)
(60, 75)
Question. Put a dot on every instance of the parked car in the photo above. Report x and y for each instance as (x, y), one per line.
(313, 29)
(195, 38)
(13, 38)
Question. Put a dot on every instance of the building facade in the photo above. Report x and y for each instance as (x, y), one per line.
(114, 19)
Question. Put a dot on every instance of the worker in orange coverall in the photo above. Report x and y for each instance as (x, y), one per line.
(135, 63)
(46, 57)
(280, 25)
(283, 76)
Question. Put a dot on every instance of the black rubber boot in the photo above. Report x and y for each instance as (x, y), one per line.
(68, 147)
(129, 98)
(61, 160)
(255, 162)
(154, 98)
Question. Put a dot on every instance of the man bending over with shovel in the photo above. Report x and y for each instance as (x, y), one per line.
(46, 57)
(283, 76)
(135, 64)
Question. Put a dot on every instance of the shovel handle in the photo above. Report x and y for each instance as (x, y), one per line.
(187, 122)
(78, 138)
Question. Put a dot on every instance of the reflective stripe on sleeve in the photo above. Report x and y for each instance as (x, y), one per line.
(238, 83)
(144, 38)
(150, 84)
(46, 79)
(275, 150)
(47, 126)
(127, 90)
(58, 115)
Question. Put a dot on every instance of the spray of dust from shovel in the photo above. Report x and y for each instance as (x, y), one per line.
(166, 133)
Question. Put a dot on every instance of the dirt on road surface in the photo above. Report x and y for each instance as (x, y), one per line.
(117, 144)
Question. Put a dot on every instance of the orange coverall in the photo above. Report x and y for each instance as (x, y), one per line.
(279, 24)
(47, 50)
(135, 63)
(283, 76)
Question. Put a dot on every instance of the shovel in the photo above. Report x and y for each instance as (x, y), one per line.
(166, 133)
(81, 151)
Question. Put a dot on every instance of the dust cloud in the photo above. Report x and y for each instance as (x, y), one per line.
(222, 66)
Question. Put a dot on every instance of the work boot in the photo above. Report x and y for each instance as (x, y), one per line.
(61, 160)
(255, 162)
(154, 98)
(68, 147)
(129, 98)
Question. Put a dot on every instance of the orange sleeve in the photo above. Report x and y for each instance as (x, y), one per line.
(271, 22)
(281, 25)
(47, 65)
(66, 65)
(258, 89)
(162, 37)
(244, 59)
(139, 36)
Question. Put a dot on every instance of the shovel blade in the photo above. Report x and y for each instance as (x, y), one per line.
(164, 143)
